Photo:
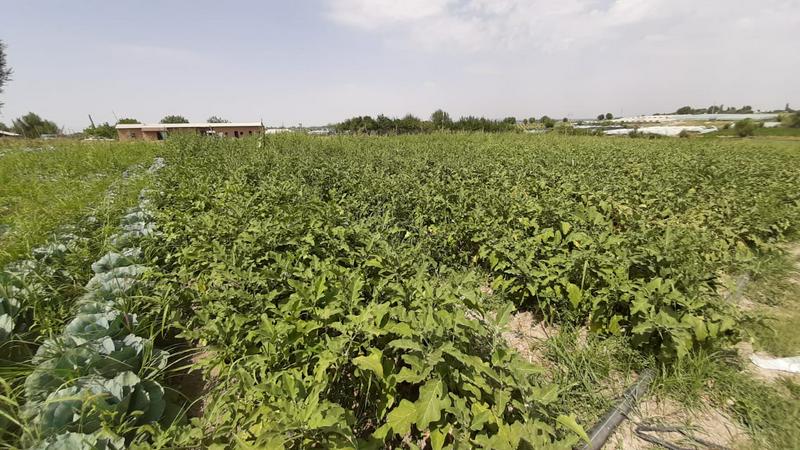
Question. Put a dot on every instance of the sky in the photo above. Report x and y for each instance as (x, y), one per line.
(320, 61)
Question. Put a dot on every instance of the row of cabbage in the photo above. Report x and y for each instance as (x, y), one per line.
(95, 381)
(24, 281)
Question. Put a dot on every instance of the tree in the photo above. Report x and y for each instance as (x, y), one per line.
(510, 120)
(684, 110)
(601, 116)
(3, 127)
(532, 120)
(127, 121)
(5, 71)
(441, 120)
(174, 119)
(794, 120)
(609, 116)
(565, 120)
(33, 126)
(745, 128)
(105, 130)
(409, 124)
(215, 119)
(384, 125)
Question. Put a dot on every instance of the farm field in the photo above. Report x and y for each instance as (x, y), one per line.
(364, 292)
(47, 183)
(781, 133)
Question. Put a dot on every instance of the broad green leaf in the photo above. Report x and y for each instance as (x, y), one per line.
(481, 415)
(575, 295)
(569, 423)
(437, 438)
(402, 417)
(370, 363)
(429, 405)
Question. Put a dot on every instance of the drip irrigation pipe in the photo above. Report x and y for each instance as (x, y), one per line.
(606, 426)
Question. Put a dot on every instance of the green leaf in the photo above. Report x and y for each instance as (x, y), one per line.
(429, 405)
(613, 325)
(402, 417)
(481, 415)
(569, 423)
(575, 295)
(546, 394)
(565, 228)
(370, 363)
(437, 439)
(503, 314)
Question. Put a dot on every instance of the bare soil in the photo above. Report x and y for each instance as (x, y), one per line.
(193, 385)
(525, 335)
(710, 425)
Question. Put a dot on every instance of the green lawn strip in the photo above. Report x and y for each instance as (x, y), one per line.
(774, 295)
(53, 184)
(778, 132)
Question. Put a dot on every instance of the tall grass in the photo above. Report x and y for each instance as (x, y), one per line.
(46, 184)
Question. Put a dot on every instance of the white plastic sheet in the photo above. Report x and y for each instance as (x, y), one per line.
(783, 364)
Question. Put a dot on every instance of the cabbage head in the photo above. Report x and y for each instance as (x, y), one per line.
(95, 401)
(80, 441)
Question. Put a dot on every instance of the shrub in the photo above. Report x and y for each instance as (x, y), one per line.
(745, 128)
(794, 120)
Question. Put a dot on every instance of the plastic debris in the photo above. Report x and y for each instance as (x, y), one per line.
(783, 364)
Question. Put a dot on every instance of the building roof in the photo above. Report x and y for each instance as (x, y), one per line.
(8, 133)
(164, 126)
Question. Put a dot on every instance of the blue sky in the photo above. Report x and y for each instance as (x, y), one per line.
(320, 61)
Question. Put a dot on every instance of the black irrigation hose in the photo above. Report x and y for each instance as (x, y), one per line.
(605, 428)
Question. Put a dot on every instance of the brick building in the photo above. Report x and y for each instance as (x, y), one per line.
(159, 131)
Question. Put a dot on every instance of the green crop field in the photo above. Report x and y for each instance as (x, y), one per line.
(767, 133)
(45, 184)
(356, 292)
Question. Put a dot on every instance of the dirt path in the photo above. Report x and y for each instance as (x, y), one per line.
(710, 425)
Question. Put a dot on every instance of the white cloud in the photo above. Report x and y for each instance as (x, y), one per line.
(547, 25)
(373, 14)
(576, 57)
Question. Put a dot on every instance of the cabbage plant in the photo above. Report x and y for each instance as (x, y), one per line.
(95, 401)
(81, 441)
(64, 360)
(9, 307)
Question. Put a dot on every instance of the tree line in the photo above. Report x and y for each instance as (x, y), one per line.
(715, 109)
(410, 124)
